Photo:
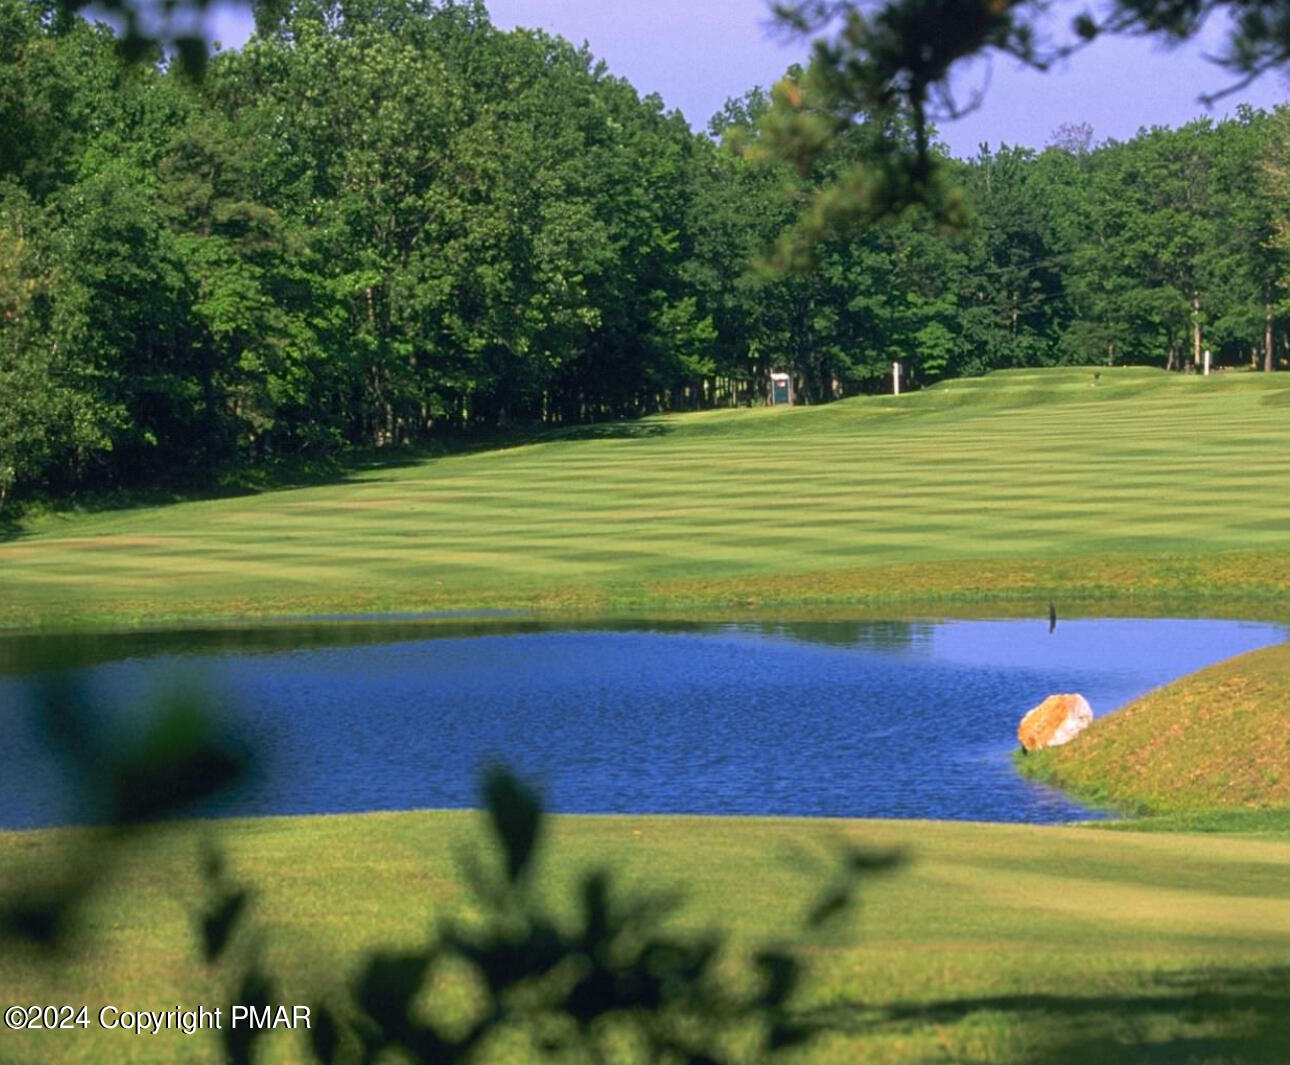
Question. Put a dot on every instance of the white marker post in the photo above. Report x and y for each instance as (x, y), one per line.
(895, 378)
(1207, 362)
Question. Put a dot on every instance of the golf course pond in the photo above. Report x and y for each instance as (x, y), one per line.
(837, 719)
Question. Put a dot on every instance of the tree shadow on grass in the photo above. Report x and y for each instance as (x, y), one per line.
(1201, 1017)
(15, 521)
(607, 431)
(304, 473)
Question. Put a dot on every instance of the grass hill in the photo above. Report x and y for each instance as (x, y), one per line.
(1014, 486)
(1219, 738)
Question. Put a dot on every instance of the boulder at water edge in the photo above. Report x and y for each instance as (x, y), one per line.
(1057, 720)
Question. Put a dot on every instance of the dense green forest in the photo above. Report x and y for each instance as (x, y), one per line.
(384, 222)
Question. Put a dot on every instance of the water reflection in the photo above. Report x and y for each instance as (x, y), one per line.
(875, 635)
(887, 719)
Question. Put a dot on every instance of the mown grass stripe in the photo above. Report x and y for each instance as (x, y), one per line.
(1034, 468)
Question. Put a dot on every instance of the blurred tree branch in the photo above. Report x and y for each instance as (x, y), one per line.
(893, 65)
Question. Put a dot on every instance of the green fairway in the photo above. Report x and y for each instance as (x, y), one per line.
(1019, 485)
(994, 944)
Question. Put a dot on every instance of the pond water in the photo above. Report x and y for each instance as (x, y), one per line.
(856, 719)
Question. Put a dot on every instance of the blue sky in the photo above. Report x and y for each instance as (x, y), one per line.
(697, 53)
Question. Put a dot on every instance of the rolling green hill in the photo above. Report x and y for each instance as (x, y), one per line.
(1018, 485)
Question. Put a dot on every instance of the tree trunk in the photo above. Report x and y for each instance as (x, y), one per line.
(1267, 337)
(1195, 329)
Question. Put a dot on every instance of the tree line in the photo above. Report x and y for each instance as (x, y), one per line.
(385, 222)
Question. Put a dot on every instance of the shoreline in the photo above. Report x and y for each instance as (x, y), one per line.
(258, 635)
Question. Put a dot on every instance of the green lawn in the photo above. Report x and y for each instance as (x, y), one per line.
(994, 944)
(1011, 487)
(1148, 493)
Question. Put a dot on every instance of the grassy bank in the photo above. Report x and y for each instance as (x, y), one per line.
(1146, 488)
(994, 944)
(1218, 740)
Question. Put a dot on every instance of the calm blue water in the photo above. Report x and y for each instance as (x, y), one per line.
(834, 719)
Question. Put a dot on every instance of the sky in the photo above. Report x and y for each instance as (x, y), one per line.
(697, 53)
